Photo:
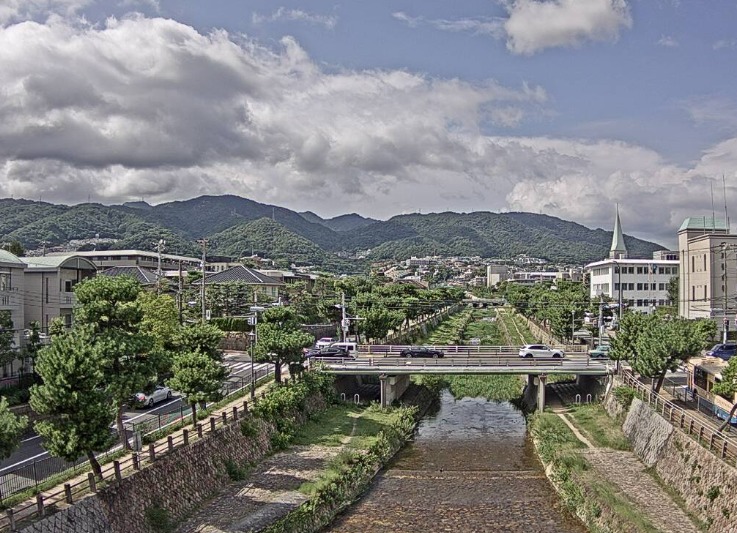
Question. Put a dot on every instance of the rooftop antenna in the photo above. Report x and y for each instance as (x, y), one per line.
(726, 214)
(713, 216)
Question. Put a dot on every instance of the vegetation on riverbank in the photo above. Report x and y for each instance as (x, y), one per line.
(600, 504)
(351, 472)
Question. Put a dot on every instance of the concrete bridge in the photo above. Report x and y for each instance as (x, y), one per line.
(394, 371)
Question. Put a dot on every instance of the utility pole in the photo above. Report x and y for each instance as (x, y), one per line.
(725, 287)
(344, 320)
(159, 248)
(601, 317)
(179, 292)
(203, 243)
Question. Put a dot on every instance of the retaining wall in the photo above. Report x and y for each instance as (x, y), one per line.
(706, 483)
(176, 483)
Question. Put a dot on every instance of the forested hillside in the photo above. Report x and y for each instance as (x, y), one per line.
(236, 226)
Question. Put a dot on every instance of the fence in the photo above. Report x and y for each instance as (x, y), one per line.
(45, 503)
(706, 435)
(31, 474)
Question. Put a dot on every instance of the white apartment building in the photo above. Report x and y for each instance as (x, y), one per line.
(708, 261)
(12, 292)
(639, 284)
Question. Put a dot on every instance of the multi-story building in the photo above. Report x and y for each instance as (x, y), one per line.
(12, 294)
(49, 282)
(104, 259)
(708, 261)
(636, 284)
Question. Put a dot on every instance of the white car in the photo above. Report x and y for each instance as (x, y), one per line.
(539, 350)
(158, 394)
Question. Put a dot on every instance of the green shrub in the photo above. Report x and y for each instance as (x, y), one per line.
(713, 493)
(230, 323)
(158, 519)
(249, 428)
(624, 396)
(234, 471)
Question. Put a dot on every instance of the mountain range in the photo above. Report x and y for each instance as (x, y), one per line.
(238, 227)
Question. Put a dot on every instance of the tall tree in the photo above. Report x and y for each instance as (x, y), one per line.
(73, 397)
(8, 353)
(727, 388)
(664, 345)
(110, 305)
(33, 345)
(199, 378)
(280, 339)
(11, 429)
(199, 337)
(15, 248)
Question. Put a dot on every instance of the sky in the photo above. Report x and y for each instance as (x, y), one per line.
(561, 107)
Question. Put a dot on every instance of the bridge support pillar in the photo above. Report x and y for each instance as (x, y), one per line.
(392, 388)
(542, 379)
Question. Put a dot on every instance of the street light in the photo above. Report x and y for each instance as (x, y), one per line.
(253, 338)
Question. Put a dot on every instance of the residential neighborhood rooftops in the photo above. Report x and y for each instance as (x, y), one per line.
(240, 273)
(143, 276)
(57, 261)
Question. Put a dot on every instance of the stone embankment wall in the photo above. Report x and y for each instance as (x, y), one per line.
(176, 483)
(706, 483)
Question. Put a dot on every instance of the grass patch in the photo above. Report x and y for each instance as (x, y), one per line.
(355, 427)
(628, 516)
(500, 387)
(604, 432)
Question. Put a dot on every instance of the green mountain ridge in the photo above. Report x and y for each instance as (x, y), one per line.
(235, 225)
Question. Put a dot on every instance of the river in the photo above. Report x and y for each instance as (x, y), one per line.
(470, 468)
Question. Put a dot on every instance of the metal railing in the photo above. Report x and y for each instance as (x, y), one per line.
(480, 349)
(705, 434)
(68, 493)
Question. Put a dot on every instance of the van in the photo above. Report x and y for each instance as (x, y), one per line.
(350, 347)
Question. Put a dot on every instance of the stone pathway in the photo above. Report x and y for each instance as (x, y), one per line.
(627, 472)
(624, 470)
(269, 493)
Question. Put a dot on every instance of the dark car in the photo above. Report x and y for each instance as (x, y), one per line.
(329, 351)
(421, 351)
(723, 351)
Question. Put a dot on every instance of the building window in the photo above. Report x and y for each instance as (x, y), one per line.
(661, 286)
(639, 270)
(639, 286)
(639, 303)
(653, 286)
(632, 286)
(616, 286)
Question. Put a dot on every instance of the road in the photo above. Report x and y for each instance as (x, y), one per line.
(239, 366)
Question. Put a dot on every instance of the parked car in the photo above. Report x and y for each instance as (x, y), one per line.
(539, 350)
(723, 351)
(600, 351)
(329, 351)
(421, 351)
(158, 394)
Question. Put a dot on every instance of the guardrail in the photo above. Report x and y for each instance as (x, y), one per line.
(712, 439)
(393, 349)
(46, 502)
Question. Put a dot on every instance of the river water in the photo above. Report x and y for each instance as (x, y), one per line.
(470, 468)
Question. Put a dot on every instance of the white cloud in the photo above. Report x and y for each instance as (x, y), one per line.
(296, 15)
(483, 26)
(713, 112)
(158, 110)
(535, 25)
(725, 43)
(20, 10)
(668, 41)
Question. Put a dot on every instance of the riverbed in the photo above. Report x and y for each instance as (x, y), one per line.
(471, 467)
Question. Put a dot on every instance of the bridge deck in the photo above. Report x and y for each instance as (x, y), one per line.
(464, 365)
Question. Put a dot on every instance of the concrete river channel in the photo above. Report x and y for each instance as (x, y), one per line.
(470, 468)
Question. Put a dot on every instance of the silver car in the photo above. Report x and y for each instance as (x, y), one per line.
(539, 350)
(158, 394)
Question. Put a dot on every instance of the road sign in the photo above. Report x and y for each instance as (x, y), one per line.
(345, 324)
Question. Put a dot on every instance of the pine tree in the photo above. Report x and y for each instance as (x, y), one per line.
(199, 378)
(77, 408)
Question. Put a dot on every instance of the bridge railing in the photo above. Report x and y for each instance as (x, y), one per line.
(705, 434)
(395, 349)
